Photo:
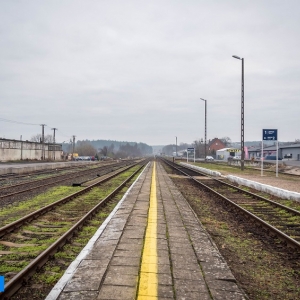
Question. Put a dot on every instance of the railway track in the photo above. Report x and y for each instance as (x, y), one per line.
(28, 186)
(277, 219)
(9, 178)
(69, 213)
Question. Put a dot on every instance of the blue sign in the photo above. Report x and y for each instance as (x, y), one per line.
(190, 149)
(1, 284)
(270, 134)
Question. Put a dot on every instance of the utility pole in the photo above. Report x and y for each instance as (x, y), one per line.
(176, 146)
(21, 147)
(43, 145)
(54, 141)
(242, 115)
(73, 146)
(205, 124)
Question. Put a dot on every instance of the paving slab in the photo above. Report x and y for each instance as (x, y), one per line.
(189, 265)
(194, 256)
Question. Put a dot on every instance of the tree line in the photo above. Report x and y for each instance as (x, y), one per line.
(112, 150)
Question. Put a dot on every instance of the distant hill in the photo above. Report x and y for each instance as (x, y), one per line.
(99, 144)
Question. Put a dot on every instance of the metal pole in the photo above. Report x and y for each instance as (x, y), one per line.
(43, 145)
(242, 115)
(242, 120)
(205, 146)
(176, 146)
(194, 154)
(205, 130)
(262, 158)
(54, 141)
(73, 146)
(277, 158)
(21, 147)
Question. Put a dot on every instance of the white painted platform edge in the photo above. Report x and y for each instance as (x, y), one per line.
(206, 171)
(284, 194)
(56, 290)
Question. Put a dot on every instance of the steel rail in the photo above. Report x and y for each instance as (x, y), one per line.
(17, 281)
(297, 212)
(79, 173)
(43, 179)
(46, 184)
(16, 224)
(290, 241)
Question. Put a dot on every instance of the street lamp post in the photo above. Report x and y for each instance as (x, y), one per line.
(54, 141)
(205, 128)
(242, 115)
(176, 146)
(43, 141)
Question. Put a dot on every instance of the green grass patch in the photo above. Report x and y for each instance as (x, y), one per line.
(54, 269)
(14, 212)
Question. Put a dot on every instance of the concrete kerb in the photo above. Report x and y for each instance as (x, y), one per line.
(284, 194)
(57, 289)
(206, 171)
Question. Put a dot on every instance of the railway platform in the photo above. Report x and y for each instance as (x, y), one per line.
(22, 168)
(152, 246)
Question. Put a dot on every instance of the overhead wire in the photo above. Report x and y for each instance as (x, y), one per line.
(11, 121)
(32, 124)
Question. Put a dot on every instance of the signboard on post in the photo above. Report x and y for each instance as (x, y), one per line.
(269, 134)
(189, 150)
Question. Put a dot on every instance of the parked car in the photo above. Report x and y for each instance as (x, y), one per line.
(237, 157)
(209, 158)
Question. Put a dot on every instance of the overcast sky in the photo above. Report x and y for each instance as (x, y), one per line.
(136, 70)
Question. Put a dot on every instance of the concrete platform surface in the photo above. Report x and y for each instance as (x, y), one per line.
(152, 246)
(22, 168)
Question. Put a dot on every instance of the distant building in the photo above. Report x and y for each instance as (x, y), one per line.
(290, 152)
(26, 150)
(223, 154)
(215, 144)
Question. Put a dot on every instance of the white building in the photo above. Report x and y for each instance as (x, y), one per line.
(224, 153)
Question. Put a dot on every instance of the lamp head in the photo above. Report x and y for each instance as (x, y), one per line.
(235, 56)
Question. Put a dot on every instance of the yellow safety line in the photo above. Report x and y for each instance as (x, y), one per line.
(148, 277)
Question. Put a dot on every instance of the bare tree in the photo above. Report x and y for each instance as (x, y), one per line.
(104, 151)
(199, 148)
(85, 148)
(226, 140)
(38, 138)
